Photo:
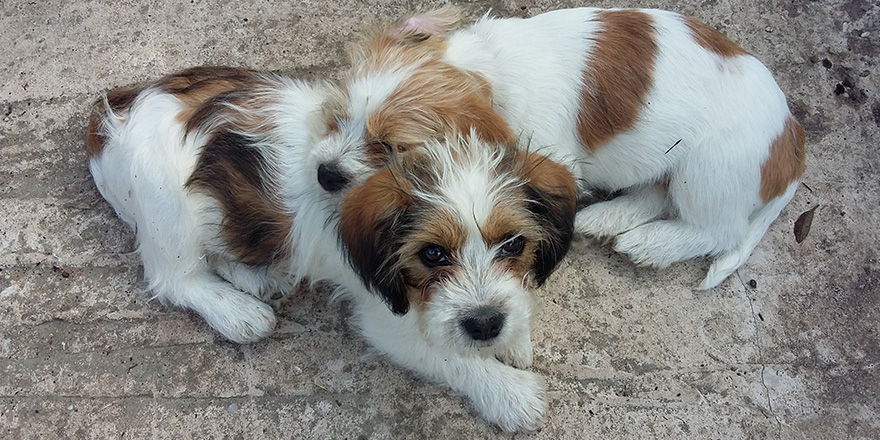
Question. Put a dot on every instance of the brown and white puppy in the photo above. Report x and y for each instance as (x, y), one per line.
(686, 125)
(452, 236)
(209, 167)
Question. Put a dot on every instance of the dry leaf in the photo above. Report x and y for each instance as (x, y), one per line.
(802, 225)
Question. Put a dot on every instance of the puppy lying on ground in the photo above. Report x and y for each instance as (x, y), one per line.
(214, 170)
(209, 166)
(691, 129)
(452, 236)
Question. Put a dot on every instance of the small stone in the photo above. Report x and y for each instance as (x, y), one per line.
(70, 407)
(865, 34)
(768, 29)
(753, 284)
(799, 60)
(232, 408)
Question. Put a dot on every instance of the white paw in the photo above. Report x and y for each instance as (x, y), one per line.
(518, 354)
(240, 318)
(518, 404)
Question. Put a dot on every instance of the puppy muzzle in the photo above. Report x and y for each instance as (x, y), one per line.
(332, 178)
(483, 324)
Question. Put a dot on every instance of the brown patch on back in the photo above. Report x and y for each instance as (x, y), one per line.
(255, 223)
(786, 163)
(618, 76)
(197, 86)
(712, 40)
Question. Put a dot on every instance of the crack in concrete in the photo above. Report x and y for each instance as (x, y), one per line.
(761, 356)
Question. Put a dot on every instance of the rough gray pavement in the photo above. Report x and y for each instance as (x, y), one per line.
(629, 353)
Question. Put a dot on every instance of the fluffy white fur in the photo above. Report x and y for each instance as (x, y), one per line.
(722, 113)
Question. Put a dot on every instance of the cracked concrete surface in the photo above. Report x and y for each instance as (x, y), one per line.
(627, 352)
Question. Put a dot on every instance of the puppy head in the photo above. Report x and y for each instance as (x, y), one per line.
(398, 94)
(456, 232)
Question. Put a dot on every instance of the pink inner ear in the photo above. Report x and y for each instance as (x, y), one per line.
(420, 25)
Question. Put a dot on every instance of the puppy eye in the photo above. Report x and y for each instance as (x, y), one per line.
(433, 256)
(512, 248)
(379, 148)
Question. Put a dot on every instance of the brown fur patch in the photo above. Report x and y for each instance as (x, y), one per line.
(786, 162)
(120, 101)
(197, 86)
(255, 223)
(618, 76)
(434, 227)
(712, 40)
(551, 177)
(370, 217)
(437, 101)
(407, 42)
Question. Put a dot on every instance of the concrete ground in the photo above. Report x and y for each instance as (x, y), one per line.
(629, 353)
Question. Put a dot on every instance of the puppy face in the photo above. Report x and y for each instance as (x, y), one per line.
(398, 95)
(456, 232)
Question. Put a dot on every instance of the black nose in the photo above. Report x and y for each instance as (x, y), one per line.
(483, 324)
(331, 178)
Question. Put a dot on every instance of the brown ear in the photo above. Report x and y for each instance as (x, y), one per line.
(372, 213)
(436, 23)
(476, 112)
(438, 101)
(553, 201)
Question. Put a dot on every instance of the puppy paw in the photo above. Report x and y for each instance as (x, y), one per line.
(519, 404)
(242, 318)
(518, 355)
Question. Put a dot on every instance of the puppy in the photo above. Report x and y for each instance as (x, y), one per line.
(210, 168)
(451, 236)
(689, 128)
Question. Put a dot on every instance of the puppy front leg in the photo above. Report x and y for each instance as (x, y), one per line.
(625, 212)
(510, 398)
(264, 283)
(239, 317)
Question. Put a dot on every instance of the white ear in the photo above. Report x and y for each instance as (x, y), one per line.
(435, 23)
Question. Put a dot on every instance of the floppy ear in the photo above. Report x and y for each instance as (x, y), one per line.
(553, 201)
(436, 23)
(371, 215)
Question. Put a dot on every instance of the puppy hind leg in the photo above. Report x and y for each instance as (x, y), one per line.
(711, 200)
(727, 263)
(625, 212)
(663, 242)
(190, 283)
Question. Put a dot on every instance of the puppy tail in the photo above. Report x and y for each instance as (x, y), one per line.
(729, 262)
